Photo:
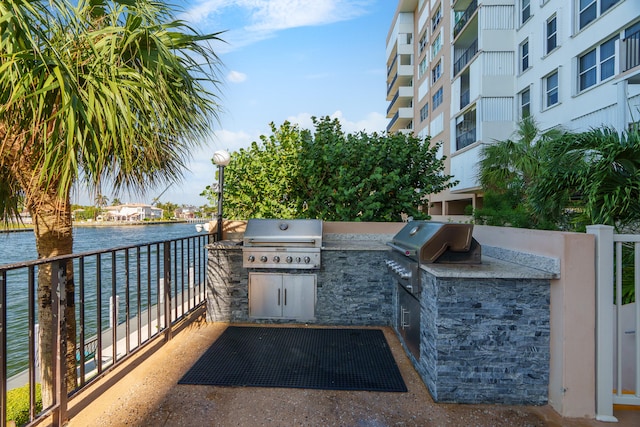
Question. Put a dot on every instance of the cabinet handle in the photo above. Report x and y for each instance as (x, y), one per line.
(278, 296)
(285, 296)
(403, 321)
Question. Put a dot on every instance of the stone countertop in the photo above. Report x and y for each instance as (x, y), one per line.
(356, 242)
(491, 268)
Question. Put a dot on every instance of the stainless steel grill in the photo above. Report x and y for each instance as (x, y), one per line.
(280, 243)
(423, 242)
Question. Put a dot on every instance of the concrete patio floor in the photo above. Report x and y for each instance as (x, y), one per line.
(144, 392)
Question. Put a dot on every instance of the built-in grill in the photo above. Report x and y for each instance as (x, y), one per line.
(282, 243)
(425, 242)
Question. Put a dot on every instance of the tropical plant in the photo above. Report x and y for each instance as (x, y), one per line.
(508, 170)
(595, 174)
(94, 90)
(331, 175)
(260, 180)
(367, 177)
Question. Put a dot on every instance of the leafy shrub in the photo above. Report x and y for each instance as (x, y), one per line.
(18, 404)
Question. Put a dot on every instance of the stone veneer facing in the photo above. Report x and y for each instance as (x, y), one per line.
(353, 288)
(485, 340)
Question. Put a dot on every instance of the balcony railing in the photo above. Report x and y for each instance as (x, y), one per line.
(393, 121)
(153, 285)
(464, 139)
(465, 97)
(390, 67)
(464, 18)
(390, 85)
(466, 56)
(630, 46)
(393, 101)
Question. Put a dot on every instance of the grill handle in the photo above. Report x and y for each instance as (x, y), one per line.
(403, 251)
(280, 242)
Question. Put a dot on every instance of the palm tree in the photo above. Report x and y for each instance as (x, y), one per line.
(106, 90)
(101, 201)
(509, 168)
(598, 172)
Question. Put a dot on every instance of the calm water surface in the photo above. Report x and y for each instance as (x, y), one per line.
(21, 246)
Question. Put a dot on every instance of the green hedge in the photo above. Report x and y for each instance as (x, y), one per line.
(18, 404)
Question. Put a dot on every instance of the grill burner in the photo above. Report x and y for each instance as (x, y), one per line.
(280, 243)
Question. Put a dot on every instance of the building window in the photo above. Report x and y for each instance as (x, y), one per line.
(435, 20)
(524, 56)
(552, 34)
(596, 65)
(437, 98)
(588, 10)
(436, 72)
(422, 68)
(436, 46)
(525, 8)
(608, 58)
(424, 112)
(466, 129)
(587, 70)
(551, 89)
(423, 43)
(525, 103)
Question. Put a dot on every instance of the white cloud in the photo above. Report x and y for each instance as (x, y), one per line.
(232, 141)
(256, 20)
(236, 77)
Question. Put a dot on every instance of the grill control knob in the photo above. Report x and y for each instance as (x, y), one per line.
(307, 260)
(263, 258)
(298, 259)
(289, 259)
(276, 258)
(251, 258)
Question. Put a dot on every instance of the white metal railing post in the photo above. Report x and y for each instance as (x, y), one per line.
(604, 321)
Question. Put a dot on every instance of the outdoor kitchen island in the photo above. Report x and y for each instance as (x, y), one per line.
(483, 328)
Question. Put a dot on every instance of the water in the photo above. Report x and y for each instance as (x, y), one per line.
(20, 247)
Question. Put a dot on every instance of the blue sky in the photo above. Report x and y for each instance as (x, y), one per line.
(289, 60)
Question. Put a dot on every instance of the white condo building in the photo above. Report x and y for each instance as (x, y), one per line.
(465, 71)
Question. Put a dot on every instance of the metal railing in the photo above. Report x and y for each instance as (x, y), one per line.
(464, 139)
(464, 18)
(466, 56)
(123, 299)
(630, 46)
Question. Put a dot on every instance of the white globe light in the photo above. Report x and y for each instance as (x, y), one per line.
(221, 158)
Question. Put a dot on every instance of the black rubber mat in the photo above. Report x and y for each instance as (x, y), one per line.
(330, 359)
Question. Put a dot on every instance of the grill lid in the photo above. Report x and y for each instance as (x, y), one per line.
(305, 233)
(427, 241)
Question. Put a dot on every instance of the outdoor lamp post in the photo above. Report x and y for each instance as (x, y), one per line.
(220, 158)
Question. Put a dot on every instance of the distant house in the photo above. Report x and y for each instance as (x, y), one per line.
(132, 212)
(185, 212)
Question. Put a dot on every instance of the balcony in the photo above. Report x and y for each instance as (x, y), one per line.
(404, 93)
(465, 98)
(464, 139)
(464, 18)
(630, 52)
(465, 57)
